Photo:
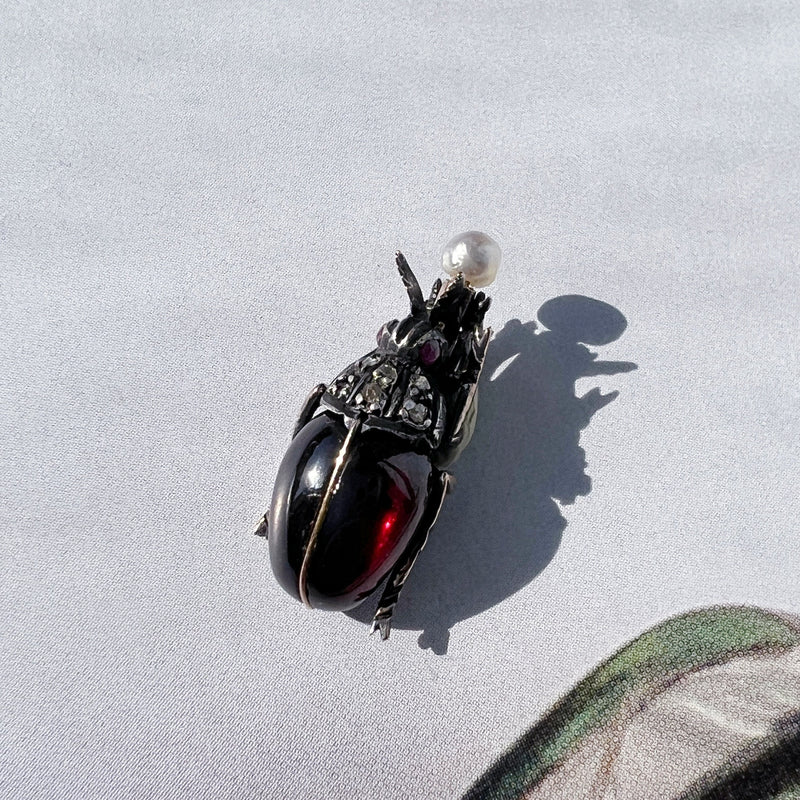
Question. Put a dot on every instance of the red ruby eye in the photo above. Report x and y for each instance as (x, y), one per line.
(430, 352)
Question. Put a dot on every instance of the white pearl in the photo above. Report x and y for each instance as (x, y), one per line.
(474, 254)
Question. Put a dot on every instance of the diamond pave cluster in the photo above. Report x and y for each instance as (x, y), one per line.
(380, 392)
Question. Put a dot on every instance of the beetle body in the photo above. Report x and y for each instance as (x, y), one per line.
(371, 518)
(364, 477)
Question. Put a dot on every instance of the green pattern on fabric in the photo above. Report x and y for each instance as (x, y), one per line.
(767, 770)
(634, 675)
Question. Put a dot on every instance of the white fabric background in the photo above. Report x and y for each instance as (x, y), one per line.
(198, 209)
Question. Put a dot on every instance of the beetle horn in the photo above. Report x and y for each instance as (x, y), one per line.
(411, 284)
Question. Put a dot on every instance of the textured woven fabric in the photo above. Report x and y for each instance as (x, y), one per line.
(199, 206)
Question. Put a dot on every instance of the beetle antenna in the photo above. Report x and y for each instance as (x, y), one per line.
(411, 284)
(437, 285)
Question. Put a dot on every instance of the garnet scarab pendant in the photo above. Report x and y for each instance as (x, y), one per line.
(365, 475)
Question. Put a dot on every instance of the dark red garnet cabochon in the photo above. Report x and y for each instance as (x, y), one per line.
(371, 517)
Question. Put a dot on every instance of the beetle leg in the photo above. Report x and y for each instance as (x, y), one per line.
(263, 526)
(309, 407)
(470, 389)
(397, 578)
(464, 407)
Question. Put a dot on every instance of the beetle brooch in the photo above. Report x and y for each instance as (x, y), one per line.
(365, 475)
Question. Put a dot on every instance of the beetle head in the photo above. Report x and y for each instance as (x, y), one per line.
(439, 333)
